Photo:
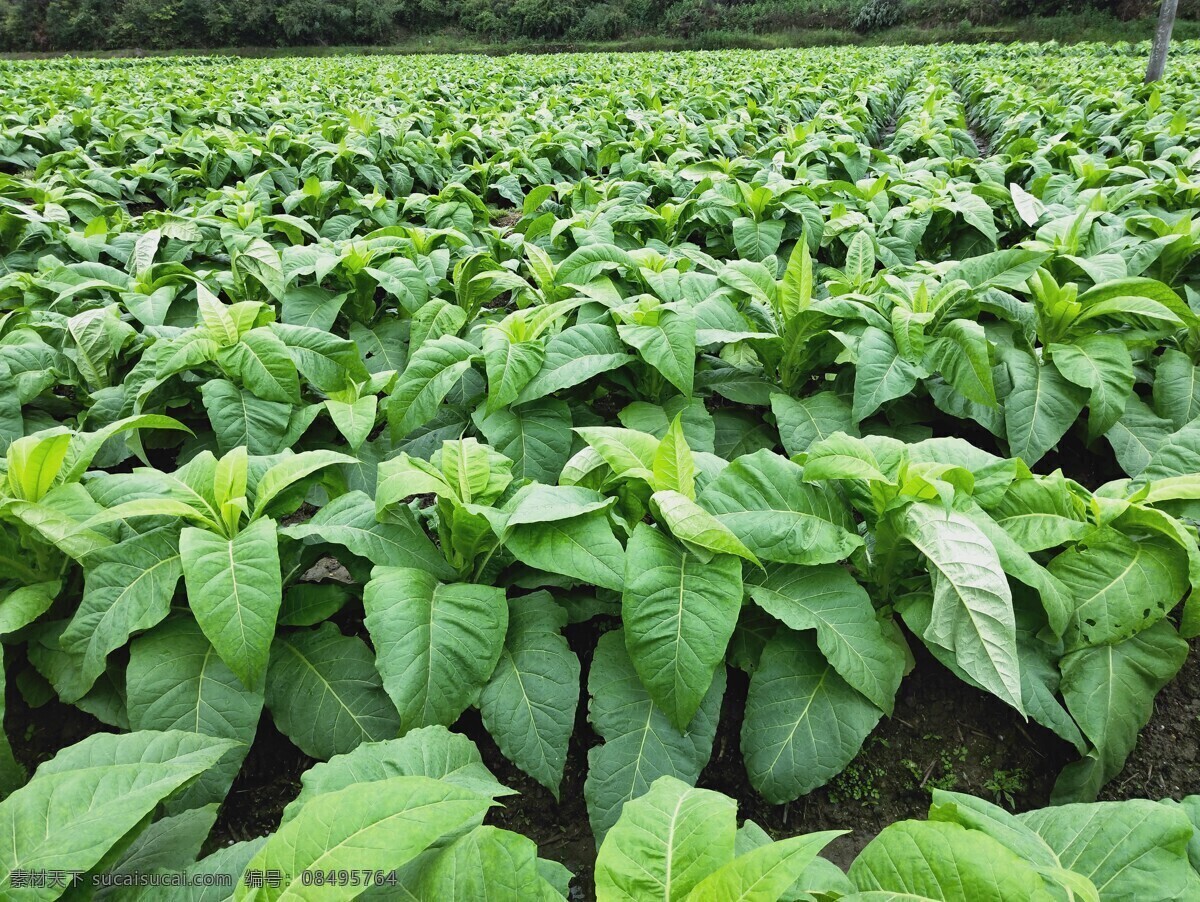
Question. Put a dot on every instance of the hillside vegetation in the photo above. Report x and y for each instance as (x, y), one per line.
(72, 25)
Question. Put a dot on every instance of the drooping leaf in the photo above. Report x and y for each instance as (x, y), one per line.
(433, 752)
(678, 613)
(972, 607)
(89, 796)
(1109, 690)
(1102, 365)
(827, 599)
(128, 588)
(640, 745)
(765, 502)
(436, 644)
(529, 703)
(807, 420)
(176, 681)
(803, 722)
(1129, 850)
(1040, 408)
(938, 860)
(234, 589)
(324, 693)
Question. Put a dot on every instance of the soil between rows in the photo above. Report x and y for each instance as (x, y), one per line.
(942, 734)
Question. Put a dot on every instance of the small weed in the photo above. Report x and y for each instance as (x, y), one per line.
(943, 772)
(1005, 784)
(859, 781)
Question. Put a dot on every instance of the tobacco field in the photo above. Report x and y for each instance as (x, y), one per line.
(405, 457)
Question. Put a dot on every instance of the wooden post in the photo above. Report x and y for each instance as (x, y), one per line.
(1162, 40)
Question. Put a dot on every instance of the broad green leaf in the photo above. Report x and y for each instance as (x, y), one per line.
(1177, 455)
(509, 366)
(240, 419)
(354, 420)
(698, 425)
(803, 722)
(669, 346)
(170, 843)
(583, 548)
(234, 589)
(324, 694)
(176, 681)
(674, 469)
(678, 614)
(764, 501)
(807, 420)
(312, 306)
(373, 826)
(25, 604)
(529, 703)
(699, 530)
(34, 463)
(1137, 436)
(938, 860)
(842, 457)
(1040, 408)
(261, 361)
(627, 452)
(229, 861)
(424, 752)
(1041, 513)
(1110, 690)
(860, 258)
(960, 353)
(81, 803)
(796, 291)
(1120, 585)
(1177, 387)
(536, 503)
(431, 372)
(290, 470)
(827, 599)
(765, 872)
(757, 240)
(486, 864)
(575, 355)
(436, 644)
(127, 589)
(328, 362)
(1009, 269)
(536, 437)
(1102, 365)
(1007, 829)
(640, 745)
(395, 541)
(1139, 296)
(86, 445)
(972, 603)
(1129, 850)
(665, 843)
(881, 375)
(307, 604)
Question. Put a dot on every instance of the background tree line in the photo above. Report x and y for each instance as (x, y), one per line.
(44, 25)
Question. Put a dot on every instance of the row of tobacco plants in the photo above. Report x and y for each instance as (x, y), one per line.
(332, 391)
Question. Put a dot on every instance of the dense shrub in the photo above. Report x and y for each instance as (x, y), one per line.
(876, 15)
